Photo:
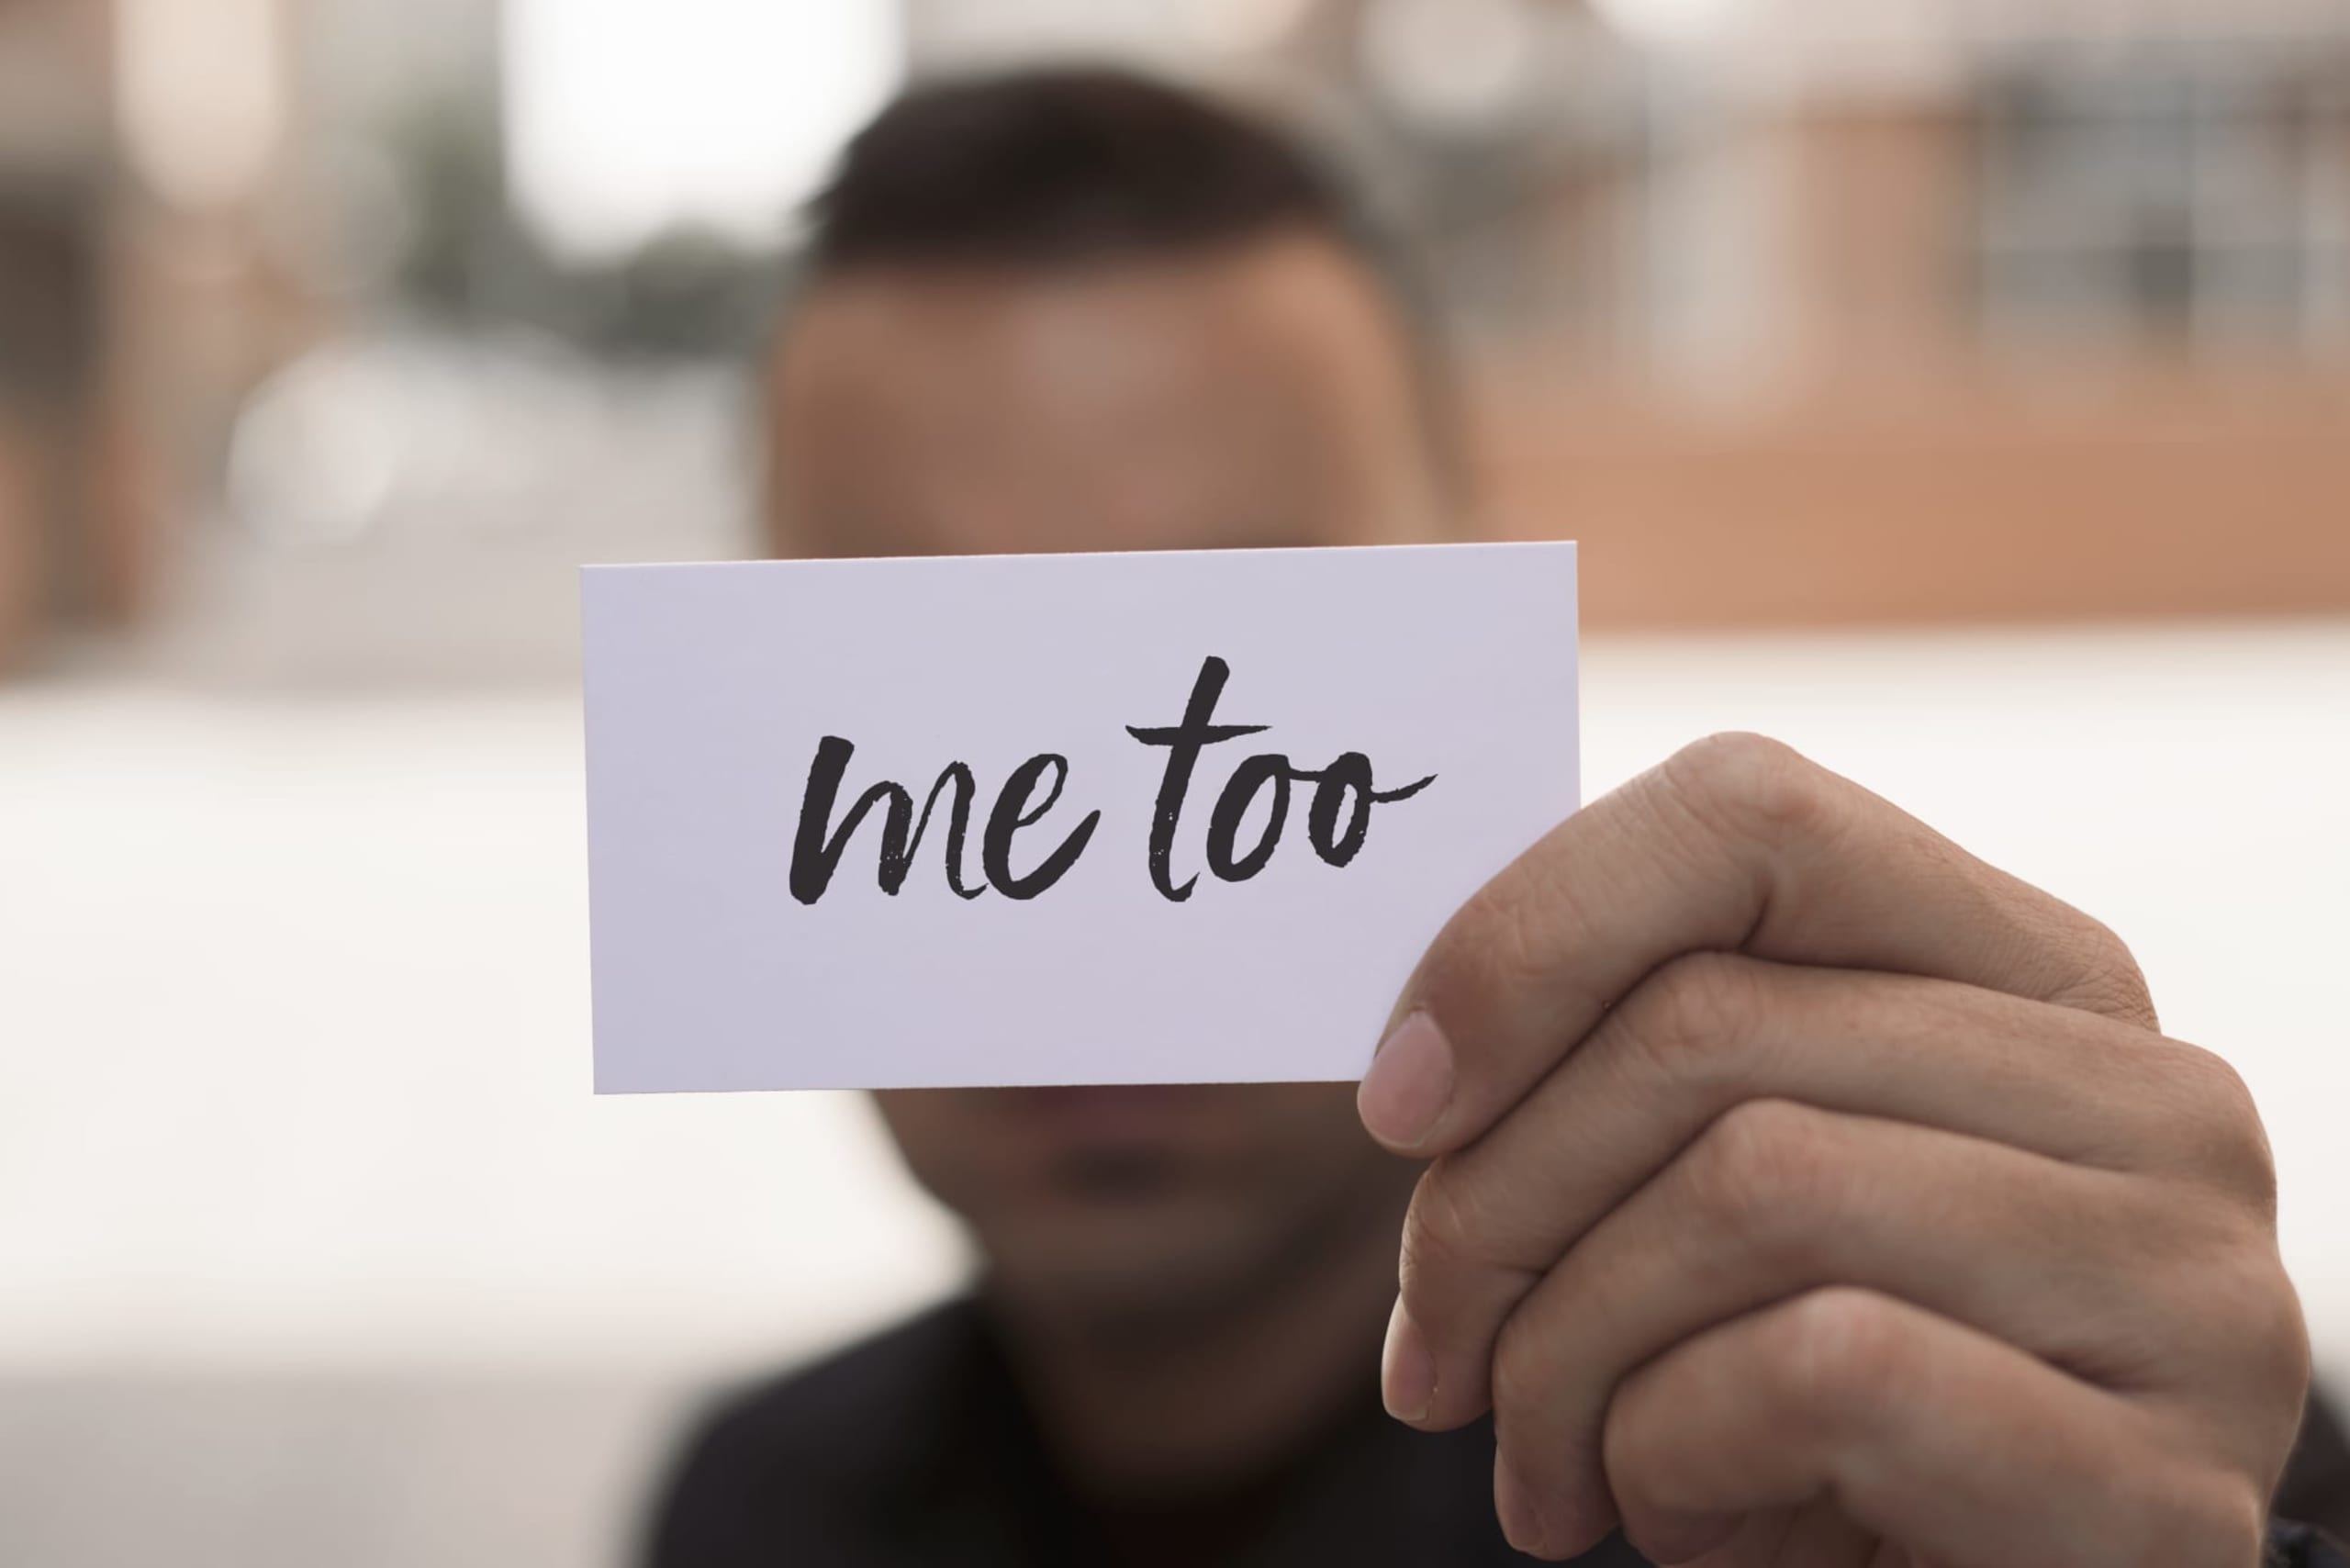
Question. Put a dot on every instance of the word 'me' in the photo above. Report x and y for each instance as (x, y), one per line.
(1337, 818)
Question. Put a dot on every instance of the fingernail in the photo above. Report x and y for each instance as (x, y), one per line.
(1408, 1085)
(1521, 1526)
(1406, 1371)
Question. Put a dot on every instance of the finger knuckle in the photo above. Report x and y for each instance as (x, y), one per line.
(2284, 1364)
(2217, 1522)
(1692, 1022)
(1749, 785)
(2234, 1316)
(1523, 1376)
(1628, 1452)
(2222, 1120)
(1428, 1247)
(1506, 938)
(1841, 1354)
(1766, 1181)
(2108, 979)
(1513, 922)
(1449, 1227)
(2262, 1319)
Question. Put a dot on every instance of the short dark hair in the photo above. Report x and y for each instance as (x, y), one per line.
(1063, 166)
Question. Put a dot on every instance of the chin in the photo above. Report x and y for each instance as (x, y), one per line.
(1150, 1263)
(1152, 1202)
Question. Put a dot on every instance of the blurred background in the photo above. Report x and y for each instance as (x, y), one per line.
(1957, 389)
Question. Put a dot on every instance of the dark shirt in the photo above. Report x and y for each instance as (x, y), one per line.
(916, 1448)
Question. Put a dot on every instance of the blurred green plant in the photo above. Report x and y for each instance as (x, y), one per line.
(473, 261)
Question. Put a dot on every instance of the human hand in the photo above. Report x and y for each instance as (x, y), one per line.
(1806, 1192)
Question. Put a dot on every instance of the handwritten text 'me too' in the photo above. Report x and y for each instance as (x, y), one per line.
(1344, 786)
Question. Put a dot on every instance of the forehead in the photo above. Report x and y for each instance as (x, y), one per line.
(1259, 395)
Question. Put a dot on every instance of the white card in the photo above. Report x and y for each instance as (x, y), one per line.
(1096, 925)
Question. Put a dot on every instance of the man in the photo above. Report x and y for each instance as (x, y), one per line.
(1772, 1183)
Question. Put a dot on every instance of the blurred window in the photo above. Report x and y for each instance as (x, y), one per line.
(2198, 198)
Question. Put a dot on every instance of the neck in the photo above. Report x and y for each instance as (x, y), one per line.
(1170, 1406)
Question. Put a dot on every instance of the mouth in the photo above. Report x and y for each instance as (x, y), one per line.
(1118, 1145)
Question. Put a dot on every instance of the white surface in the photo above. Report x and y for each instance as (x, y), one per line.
(294, 1038)
(381, 1470)
(625, 120)
(293, 996)
(721, 964)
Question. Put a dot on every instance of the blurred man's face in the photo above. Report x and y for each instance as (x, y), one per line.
(1256, 396)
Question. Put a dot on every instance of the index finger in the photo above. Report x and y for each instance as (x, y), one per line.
(1736, 843)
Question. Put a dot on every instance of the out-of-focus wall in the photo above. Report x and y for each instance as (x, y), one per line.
(142, 172)
(2157, 497)
(2028, 323)
(51, 66)
(1796, 313)
(18, 514)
